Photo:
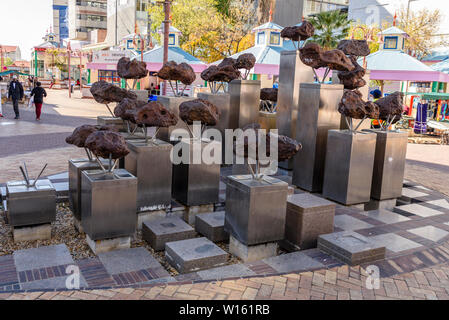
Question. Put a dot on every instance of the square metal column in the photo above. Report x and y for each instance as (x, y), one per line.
(389, 164)
(150, 163)
(245, 101)
(108, 204)
(255, 209)
(349, 166)
(318, 114)
(114, 122)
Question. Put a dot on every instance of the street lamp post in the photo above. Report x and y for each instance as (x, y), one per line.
(69, 53)
(167, 4)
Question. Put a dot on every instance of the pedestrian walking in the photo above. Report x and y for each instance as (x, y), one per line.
(15, 92)
(38, 94)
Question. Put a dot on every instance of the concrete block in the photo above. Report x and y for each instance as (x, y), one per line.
(190, 212)
(32, 233)
(149, 216)
(157, 233)
(253, 252)
(380, 204)
(351, 247)
(194, 254)
(308, 216)
(211, 225)
(105, 245)
(78, 225)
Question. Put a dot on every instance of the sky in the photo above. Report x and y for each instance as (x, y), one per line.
(24, 22)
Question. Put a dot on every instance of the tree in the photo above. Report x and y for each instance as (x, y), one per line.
(359, 30)
(330, 28)
(421, 26)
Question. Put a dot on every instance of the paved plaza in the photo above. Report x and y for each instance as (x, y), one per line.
(415, 234)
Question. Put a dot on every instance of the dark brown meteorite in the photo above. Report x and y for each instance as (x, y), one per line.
(245, 61)
(131, 69)
(105, 143)
(105, 92)
(80, 134)
(337, 60)
(287, 147)
(299, 33)
(352, 106)
(391, 105)
(353, 79)
(228, 62)
(177, 72)
(154, 114)
(354, 47)
(199, 110)
(220, 74)
(310, 55)
(270, 94)
(126, 106)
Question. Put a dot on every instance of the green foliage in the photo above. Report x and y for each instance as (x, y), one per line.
(330, 28)
(223, 6)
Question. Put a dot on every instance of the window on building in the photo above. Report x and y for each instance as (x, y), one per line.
(261, 38)
(171, 40)
(275, 38)
(109, 76)
(391, 43)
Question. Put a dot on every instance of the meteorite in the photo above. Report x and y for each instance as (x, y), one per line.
(391, 106)
(353, 79)
(337, 60)
(220, 74)
(131, 69)
(107, 143)
(177, 72)
(80, 134)
(352, 106)
(104, 92)
(299, 33)
(354, 47)
(154, 114)
(270, 94)
(199, 110)
(311, 54)
(126, 108)
(245, 61)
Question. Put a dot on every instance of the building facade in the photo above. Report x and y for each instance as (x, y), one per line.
(61, 20)
(86, 16)
(123, 17)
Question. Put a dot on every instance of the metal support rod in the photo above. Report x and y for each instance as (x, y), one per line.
(89, 155)
(25, 176)
(173, 89)
(155, 134)
(42, 171)
(252, 171)
(107, 106)
(145, 133)
(100, 164)
(360, 123)
(110, 162)
(134, 83)
(316, 76)
(182, 93)
(26, 171)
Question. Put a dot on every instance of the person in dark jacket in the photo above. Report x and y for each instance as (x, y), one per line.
(38, 93)
(16, 94)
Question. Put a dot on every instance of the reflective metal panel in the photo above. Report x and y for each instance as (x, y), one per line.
(30, 205)
(318, 114)
(115, 122)
(196, 184)
(292, 72)
(108, 203)
(245, 101)
(349, 166)
(172, 104)
(255, 209)
(150, 163)
(389, 164)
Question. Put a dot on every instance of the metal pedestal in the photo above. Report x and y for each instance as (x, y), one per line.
(142, 95)
(196, 184)
(172, 104)
(245, 101)
(29, 206)
(389, 164)
(349, 166)
(108, 204)
(76, 166)
(318, 114)
(292, 72)
(255, 209)
(114, 122)
(150, 163)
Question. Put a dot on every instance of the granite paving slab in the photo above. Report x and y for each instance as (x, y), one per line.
(430, 232)
(42, 257)
(127, 260)
(52, 283)
(295, 261)
(410, 193)
(385, 216)
(349, 223)
(235, 270)
(443, 203)
(417, 209)
(394, 242)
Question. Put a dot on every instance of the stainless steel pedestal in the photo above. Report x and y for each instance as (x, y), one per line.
(29, 206)
(292, 72)
(255, 209)
(172, 104)
(150, 163)
(114, 122)
(108, 204)
(318, 114)
(196, 184)
(245, 101)
(76, 166)
(349, 166)
(389, 164)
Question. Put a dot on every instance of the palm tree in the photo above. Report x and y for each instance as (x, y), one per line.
(330, 28)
